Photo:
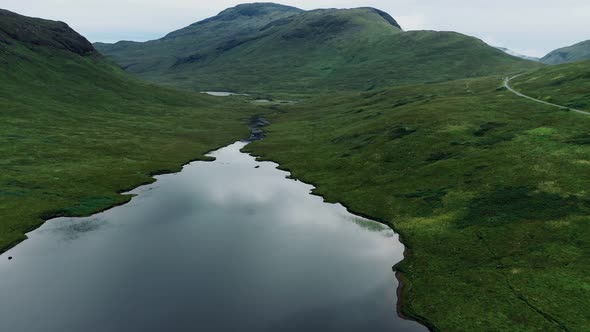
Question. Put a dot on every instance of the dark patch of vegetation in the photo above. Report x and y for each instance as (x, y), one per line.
(326, 27)
(438, 156)
(520, 204)
(432, 197)
(372, 116)
(407, 101)
(400, 132)
(233, 43)
(277, 23)
(487, 127)
(496, 139)
(190, 59)
(583, 139)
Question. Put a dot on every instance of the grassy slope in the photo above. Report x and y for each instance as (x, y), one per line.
(486, 188)
(303, 52)
(574, 53)
(567, 84)
(75, 130)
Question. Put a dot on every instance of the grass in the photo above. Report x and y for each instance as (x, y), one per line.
(75, 131)
(567, 85)
(486, 189)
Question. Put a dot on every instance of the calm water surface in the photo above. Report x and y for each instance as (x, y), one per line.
(220, 246)
(222, 93)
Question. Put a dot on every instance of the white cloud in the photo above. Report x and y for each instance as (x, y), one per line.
(536, 26)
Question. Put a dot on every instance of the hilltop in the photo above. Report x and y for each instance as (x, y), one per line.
(574, 53)
(39, 32)
(269, 47)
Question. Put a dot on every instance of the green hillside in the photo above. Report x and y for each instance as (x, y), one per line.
(487, 189)
(567, 84)
(155, 57)
(574, 53)
(75, 129)
(282, 49)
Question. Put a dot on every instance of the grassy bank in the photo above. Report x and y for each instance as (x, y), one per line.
(75, 131)
(486, 189)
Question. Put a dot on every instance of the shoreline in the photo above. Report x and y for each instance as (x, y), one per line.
(403, 283)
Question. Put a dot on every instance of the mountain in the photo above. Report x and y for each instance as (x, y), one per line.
(75, 129)
(574, 53)
(516, 54)
(566, 84)
(233, 24)
(269, 47)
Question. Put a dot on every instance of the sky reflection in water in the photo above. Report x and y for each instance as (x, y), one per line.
(221, 246)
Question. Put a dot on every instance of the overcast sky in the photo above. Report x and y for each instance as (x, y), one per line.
(531, 27)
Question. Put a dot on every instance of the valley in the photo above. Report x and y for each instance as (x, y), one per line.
(418, 130)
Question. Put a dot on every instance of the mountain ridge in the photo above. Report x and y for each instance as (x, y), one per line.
(280, 48)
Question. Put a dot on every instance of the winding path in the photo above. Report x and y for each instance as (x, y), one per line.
(507, 86)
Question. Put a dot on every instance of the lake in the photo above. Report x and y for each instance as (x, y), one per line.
(229, 245)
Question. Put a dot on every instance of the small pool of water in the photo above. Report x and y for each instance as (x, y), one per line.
(222, 93)
(229, 245)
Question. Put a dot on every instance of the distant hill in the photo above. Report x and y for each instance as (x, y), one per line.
(516, 54)
(574, 53)
(75, 129)
(270, 47)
